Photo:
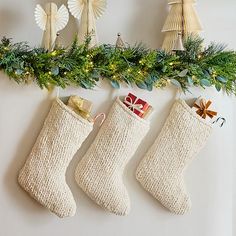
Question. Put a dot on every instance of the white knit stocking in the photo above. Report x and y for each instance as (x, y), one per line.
(161, 171)
(43, 175)
(100, 171)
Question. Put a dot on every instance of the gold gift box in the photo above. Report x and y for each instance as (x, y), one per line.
(81, 106)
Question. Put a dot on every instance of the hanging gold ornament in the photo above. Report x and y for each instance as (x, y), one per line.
(119, 42)
(179, 43)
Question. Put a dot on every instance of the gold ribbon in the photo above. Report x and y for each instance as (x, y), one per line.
(202, 109)
(81, 107)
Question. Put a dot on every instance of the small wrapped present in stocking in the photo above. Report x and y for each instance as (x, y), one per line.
(81, 106)
(138, 106)
(202, 106)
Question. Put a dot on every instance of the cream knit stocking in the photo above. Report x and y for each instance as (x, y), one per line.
(161, 172)
(43, 175)
(100, 171)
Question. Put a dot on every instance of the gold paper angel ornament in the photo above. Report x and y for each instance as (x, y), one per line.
(87, 11)
(51, 20)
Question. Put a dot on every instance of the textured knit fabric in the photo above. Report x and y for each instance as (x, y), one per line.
(161, 171)
(43, 175)
(100, 171)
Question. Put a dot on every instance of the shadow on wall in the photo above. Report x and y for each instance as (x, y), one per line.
(22, 198)
(149, 19)
(8, 17)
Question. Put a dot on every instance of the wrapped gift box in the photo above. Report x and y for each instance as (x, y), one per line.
(81, 106)
(137, 105)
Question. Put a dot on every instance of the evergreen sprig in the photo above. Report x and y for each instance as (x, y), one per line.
(82, 66)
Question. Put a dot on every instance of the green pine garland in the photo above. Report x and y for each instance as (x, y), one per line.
(145, 68)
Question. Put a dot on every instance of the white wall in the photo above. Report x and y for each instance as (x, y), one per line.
(23, 110)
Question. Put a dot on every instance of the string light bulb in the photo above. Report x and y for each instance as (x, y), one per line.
(54, 53)
(112, 66)
(214, 74)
